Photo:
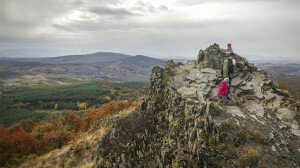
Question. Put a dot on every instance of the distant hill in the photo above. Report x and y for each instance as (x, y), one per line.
(103, 65)
(281, 69)
(36, 53)
(74, 59)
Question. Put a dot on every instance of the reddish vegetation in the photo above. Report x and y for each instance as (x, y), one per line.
(106, 109)
(27, 137)
(17, 143)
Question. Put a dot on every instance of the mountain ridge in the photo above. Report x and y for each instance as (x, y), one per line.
(104, 65)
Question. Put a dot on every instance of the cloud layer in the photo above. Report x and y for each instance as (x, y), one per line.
(158, 28)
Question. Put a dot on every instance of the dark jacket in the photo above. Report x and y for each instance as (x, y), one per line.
(228, 68)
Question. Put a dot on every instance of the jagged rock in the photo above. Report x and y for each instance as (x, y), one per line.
(285, 114)
(248, 87)
(200, 56)
(212, 57)
(188, 92)
(237, 82)
(252, 67)
(214, 110)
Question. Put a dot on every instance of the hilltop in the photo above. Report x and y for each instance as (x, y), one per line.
(180, 123)
(102, 65)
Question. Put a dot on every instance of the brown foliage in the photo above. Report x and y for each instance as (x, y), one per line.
(110, 108)
(42, 128)
(57, 139)
(72, 121)
(15, 143)
(26, 137)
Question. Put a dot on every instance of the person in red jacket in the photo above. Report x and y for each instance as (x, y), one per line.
(223, 91)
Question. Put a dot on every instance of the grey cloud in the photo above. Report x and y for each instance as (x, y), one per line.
(112, 26)
(104, 25)
(128, 24)
(140, 9)
(100, 2)
(145, 7)
(31, 12)
(197, 2)
(23, 19)
(163, 7)
(109, 11)
(148, 7)
(63, 27)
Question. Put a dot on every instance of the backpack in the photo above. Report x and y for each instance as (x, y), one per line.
(221, 68)
(231, 66)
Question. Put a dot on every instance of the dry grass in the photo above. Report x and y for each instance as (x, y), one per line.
(198, 143)
(229, 125)
(78, 153)
(250, 157)
(248, 135)
(228, 148)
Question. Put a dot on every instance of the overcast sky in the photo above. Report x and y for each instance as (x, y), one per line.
(160, 28)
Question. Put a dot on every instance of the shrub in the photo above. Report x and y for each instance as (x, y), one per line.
(77, 148)
(110, 108)
(256, 136)
(247, 135)
(198, 143)
(229, 125)
(71, 121)
(58, 138)
(42, 128)
(228, 148)
(212, 140)
(215, 110)
(71, 162)
(14, 143)
(251, 157)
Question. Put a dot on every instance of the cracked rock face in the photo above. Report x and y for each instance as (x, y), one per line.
(181, 124)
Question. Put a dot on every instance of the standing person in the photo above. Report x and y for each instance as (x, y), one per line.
(223, 91)
(229, 49)
(228, 68)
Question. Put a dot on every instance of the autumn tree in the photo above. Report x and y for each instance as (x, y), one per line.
(17, 143)
(42, 128)
(58, 138)
(110, 108)
(27, 137)
(71, 121)
(82, 105)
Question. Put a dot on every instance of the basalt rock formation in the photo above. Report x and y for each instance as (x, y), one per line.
(181, 124)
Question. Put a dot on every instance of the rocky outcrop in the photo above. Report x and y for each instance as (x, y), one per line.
(181, 124)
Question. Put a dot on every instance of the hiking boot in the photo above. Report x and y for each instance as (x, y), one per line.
(228, 97)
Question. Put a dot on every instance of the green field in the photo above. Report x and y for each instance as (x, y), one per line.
(6, 74)
(26, 102)
(10, 116)
(134, 85)
(90, 92)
